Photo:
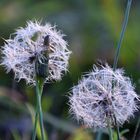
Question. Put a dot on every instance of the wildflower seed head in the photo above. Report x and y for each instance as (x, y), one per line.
(28, 44)
(102, 95)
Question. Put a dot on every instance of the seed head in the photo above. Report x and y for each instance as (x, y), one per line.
(29, 45)
(102, 95)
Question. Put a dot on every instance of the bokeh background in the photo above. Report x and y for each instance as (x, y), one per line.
(92, 29)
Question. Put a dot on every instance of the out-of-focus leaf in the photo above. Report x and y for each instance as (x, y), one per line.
(54, 121)
(81, 134)
(121, 134)
(16, 135)
(124, 132)
(11, 100)
(32, 112)
(11, 94)
(46, 103)
(60, 123)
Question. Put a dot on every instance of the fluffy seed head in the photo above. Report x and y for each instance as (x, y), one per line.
(20, 52)
(102, 95)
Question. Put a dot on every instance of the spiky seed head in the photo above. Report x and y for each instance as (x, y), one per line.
(102, 95)
(29, 44)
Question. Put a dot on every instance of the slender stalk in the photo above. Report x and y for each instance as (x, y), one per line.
(99, 135)
(41, 70)
(39, 111)
(136, 129)
(122, 33)
(35, 124)
(110, 133)
(117, 128)
(109, 129)
(36, 114)
(125, 22)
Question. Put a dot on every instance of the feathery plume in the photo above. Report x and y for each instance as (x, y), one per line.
(102, 95)
(30, 45)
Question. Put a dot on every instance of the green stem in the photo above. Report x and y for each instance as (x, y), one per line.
(117, 128)
(36, 113)
(99, 135)
(122, 33)
(136, 129)
(39, 94)
(35, 124)
(110, 132)
(125, 22)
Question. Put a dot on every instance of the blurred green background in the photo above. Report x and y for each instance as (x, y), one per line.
(92, 29)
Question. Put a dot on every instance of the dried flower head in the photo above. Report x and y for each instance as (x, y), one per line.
(102, 95)
(29, 44)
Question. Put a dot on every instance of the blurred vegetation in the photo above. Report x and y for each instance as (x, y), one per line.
(92, 28)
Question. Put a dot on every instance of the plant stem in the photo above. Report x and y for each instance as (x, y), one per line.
(35, 124)
(99, 135)
(125, 22)
(117, 128)
(136, 129)
(122, 33)
(39, 85)
(36, 113)
(39, 89)
(110, 131)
